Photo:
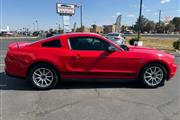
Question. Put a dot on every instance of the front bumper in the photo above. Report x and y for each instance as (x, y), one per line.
(173, 69)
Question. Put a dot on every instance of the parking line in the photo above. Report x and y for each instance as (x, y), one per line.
(2, 65)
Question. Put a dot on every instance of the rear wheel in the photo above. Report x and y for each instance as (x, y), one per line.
(43, 76)
(153, 75)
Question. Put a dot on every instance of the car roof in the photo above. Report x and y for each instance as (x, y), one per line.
(79, 34)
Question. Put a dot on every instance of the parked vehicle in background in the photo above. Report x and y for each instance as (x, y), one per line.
(128, 33)
(7, 34)
(36, 33)
(116, 38)
(86, 56)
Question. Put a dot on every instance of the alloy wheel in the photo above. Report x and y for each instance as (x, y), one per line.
(43, 77)
(153, 76)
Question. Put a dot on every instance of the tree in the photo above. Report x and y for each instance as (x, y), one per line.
(144, 22)
(176, 22)
(146, 25)
(170, 28)
(160, 28)
(150, 26)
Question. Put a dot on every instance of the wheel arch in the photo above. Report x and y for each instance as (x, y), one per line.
(156, 62)
(45, 63)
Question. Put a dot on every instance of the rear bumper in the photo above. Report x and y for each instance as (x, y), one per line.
(14, 68)
(11, 75)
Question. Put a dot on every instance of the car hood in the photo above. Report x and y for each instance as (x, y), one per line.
(138, 49)
(143, 49)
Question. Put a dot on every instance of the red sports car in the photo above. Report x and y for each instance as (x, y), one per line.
(86, 56)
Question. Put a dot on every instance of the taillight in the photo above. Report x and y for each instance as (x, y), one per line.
(117, 38)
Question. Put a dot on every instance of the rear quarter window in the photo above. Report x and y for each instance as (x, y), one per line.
(52, 44)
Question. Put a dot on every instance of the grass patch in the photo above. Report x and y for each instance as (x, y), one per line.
(161, 44)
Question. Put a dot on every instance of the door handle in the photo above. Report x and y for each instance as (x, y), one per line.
(76, 57)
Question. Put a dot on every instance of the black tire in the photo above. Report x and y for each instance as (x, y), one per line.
(143, 78)
(53, 72)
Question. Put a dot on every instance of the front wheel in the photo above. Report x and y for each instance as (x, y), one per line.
(43, 76)
(153, 75)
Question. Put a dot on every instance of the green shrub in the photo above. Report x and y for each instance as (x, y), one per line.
(131, 41)
(176, 44)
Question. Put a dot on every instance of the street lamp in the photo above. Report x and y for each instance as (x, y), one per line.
(139, 22)
(81, 12)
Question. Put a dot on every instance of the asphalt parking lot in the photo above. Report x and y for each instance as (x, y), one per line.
(87, 101)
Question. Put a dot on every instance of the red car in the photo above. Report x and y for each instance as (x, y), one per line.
(86, 56)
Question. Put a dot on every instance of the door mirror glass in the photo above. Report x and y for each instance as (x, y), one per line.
(125, 47)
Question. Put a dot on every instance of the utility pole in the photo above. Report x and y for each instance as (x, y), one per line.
(159, 18)
(81, 16)
(139, 22)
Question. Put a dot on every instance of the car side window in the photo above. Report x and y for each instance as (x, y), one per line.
(52, 44)
(88, 43)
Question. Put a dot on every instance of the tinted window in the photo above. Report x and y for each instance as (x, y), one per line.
(86, 43)
(53, 43)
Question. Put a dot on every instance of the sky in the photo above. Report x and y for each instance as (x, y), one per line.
(23, 13)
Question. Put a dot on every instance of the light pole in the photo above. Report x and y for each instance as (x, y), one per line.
(81, 16)
(139, 22)
(37, 25)
(159, 18)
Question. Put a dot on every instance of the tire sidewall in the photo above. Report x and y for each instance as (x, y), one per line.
(142, 80)
(55, 76)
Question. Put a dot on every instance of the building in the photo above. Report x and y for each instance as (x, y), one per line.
(109, 29)
(84, 29)
(96, 29)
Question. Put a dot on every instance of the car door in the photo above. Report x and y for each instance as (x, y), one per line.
(89, 57)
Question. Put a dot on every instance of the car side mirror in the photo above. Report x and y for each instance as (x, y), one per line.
(111, 49)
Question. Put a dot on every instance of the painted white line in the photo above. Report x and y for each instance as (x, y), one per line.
(2, 65)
